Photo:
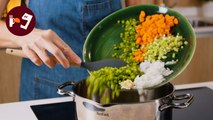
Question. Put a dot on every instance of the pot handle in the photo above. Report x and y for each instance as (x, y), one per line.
(61, 91)
(189, 101)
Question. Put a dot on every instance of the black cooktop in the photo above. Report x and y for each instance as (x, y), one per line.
(201, 108)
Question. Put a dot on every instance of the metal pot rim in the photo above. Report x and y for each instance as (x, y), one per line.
(154, 100)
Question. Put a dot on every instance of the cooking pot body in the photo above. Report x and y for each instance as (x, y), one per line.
(154, 104)
(90, 110)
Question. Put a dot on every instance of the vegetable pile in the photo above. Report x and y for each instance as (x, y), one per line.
(148, 46)
(109, 77)
(151, 29)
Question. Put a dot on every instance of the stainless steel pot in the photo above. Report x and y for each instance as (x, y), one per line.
(153, 104)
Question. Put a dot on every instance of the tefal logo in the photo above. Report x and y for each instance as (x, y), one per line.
(20, 21)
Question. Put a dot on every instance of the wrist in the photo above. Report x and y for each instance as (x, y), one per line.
(16, 40)
(20, 40)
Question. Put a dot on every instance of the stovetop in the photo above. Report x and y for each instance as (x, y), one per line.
(201, 108)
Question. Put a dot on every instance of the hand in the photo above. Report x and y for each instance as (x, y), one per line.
(36, 44)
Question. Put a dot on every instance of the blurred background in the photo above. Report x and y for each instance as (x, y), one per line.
(198, 12)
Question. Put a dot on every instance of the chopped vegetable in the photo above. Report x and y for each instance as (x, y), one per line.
(128, 45)
(161, 46)
(109, 77)
(154, 73)
(151, 27)
(127, 84)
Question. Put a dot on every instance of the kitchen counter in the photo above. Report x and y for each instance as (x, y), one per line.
(22, 110)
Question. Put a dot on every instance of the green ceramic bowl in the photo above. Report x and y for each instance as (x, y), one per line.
(100, 41)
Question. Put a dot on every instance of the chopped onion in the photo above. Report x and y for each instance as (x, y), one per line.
(154, 73)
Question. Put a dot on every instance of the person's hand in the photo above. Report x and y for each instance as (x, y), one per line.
(36, 44)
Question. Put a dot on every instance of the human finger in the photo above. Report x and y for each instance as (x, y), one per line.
(42, 53)
(32, 55)
(72, 56)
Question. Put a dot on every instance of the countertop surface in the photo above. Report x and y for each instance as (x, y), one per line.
(22, 110)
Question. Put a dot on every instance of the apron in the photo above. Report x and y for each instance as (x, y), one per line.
(71, 20)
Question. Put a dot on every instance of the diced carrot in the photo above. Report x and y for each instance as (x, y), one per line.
(151, 27)
(141, 16)
(176, 21)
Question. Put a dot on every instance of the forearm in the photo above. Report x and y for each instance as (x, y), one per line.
(6, 38)
(137, 2)
(132, 2)
(3, 3)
